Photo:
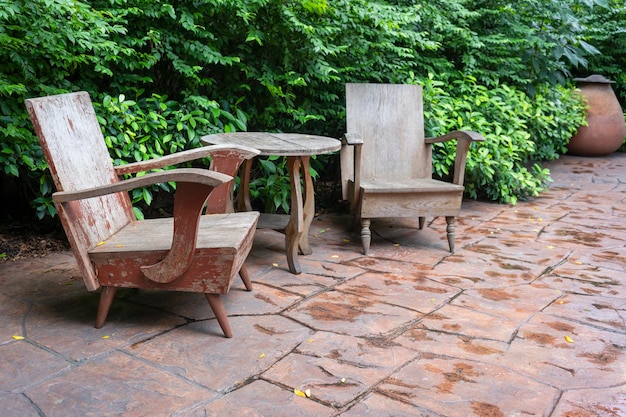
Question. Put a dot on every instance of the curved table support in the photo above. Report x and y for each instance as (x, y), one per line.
(298, 149)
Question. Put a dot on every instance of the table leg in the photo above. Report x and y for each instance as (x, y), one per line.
(295, 226)
(309, 206)
(243, 199)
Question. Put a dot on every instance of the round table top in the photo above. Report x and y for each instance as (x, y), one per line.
(280, 144)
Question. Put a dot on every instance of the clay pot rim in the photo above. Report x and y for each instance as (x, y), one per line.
(595, 78)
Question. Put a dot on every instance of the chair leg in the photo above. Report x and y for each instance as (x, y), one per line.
(220, 313)
(450, 231)
(422, 220)
(106, 299)
(366, 235)
(245, 277)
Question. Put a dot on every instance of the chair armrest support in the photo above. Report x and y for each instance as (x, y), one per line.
(188, 203)
(351, 148)
(194, 175)
(464, 140)
(237, 151)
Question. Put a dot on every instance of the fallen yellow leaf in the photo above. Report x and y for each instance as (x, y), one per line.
(262, 355)
(100, 244)
(569, 339)
(578, 263)
(335, 256)
(18, 337)
(105, 337)
(346, 241)
(397, 244)
(274, 264)
(550, 247)
(299, 393)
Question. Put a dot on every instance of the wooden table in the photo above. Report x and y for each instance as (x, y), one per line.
(298, 149)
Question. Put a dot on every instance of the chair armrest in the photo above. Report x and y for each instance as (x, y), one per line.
(351, 139)
(236, 151)
(194, 187)
(457, 134)
(193, 175)
(464, 140)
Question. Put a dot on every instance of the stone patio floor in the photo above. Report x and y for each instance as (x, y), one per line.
(527, 318)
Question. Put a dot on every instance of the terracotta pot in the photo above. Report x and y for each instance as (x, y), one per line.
(606, 131)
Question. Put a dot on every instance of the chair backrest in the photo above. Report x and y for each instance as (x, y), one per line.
(389, 118)
(73, 145)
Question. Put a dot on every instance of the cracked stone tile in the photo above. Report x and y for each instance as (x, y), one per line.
(485, 270)
(611, 259)
(588, 281)
(305, 283)
(567, 355)
(410, 290)
(12, 311)
(516, 303)
(375, 405)
(513, 248)
(261, 300)
(474, 388)
(260, 398)
(372, 264)
(17, 405)
(23, 364)
(66, 325)
(199, 352)
(115, 384)
(456, 346)
(336, 368)
(579, 236)
(601, 402)
(466, 322)
(348, 314)
(596, 311)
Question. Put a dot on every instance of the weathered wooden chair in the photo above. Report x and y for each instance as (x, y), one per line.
(386, 162)
(187, 252)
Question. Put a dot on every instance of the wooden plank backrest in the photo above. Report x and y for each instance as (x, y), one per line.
(74, 148)
(389, 118)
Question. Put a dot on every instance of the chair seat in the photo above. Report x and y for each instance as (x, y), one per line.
(222, 238)
(411, 185)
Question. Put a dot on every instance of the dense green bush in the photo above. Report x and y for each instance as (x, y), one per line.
(190, 68)
(519, 132)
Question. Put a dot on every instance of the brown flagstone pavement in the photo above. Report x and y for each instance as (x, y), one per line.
(527, 318)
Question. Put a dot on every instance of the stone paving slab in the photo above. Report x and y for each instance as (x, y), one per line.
(465, 388)
(527, 317)
(116, 384)
(198, 353)
(261, 398)
(566, 354)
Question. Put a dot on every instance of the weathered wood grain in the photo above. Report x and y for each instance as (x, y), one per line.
(386, 162)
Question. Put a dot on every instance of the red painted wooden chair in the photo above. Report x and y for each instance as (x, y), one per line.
(190, 251)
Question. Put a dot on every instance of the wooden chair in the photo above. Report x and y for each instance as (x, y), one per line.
(187, 252)
(386, 163)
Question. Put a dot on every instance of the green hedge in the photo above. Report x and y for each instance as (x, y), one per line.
(189, 68)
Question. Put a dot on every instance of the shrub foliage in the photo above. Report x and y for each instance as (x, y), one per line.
(164, 73)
